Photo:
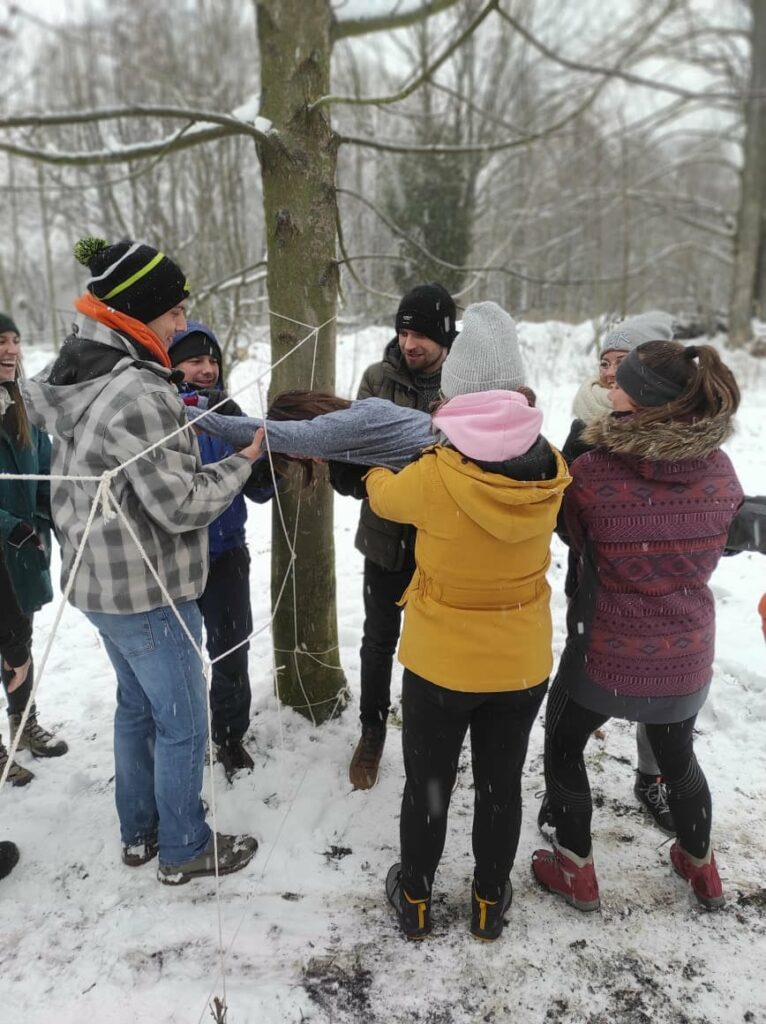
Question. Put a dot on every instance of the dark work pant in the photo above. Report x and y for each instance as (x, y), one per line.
(225, 607)
(17, 700)
(380, 635)
(568, 727)
(435, 721)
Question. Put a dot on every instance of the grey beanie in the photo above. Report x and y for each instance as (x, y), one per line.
(485, 355)
(637, 330)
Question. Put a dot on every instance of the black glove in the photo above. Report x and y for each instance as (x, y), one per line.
(228, 406)
(22, 534)
(346, 478)
(260, 478)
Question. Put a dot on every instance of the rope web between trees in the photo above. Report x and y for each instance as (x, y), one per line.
(109, 508)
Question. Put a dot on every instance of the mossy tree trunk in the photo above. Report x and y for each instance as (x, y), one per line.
(298, 163)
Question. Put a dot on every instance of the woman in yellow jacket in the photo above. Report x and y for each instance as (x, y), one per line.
(476, 643)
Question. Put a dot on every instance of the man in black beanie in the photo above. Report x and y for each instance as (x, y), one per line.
(408, 375)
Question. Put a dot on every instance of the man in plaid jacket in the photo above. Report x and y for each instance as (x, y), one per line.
(110, 403)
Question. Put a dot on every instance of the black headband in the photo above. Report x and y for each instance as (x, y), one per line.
(643, 384)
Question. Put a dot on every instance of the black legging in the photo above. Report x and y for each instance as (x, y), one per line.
(435, 721)
(17, 700)
(569, 725)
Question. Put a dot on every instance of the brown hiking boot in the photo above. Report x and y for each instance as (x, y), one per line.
(365, 764)
(17, 776)
(38, 741)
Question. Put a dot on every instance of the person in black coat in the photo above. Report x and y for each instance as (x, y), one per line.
(409, 375)
(15, 649)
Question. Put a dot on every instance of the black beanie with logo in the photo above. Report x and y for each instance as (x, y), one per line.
(428, 309)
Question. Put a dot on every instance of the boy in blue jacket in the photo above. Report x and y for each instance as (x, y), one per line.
(225, 602)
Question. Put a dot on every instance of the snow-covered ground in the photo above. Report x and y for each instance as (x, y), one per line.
(305, 932)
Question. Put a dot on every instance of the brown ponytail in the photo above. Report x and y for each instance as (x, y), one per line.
(708, 387)
(301, 405)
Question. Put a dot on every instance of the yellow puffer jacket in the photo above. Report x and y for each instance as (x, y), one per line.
(477, 612)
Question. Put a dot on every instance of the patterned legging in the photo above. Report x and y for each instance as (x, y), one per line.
(569, 725)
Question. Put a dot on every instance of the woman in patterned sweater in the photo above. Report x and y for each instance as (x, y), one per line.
(647, 516)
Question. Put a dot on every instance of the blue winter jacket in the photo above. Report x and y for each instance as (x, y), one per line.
(228, 530)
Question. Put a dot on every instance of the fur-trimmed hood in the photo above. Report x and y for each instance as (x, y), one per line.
(671, 441)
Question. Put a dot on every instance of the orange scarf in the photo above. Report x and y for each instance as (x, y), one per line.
(88, 304)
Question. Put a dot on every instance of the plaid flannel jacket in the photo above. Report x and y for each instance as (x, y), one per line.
(168, 496)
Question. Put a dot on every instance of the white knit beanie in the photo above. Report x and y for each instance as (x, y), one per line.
(485, 355)
(637, 330)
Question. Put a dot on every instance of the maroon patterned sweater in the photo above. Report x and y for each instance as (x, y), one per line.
(647, 516)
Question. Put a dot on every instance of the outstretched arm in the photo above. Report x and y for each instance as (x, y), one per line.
(398, 496)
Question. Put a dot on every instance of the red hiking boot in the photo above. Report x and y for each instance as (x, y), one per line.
(703, 878)
(567, 875)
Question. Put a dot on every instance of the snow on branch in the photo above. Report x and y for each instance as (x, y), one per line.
(360, 17)
(241, 122)
(419, 79)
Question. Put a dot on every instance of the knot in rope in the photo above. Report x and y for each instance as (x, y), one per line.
(104, 495)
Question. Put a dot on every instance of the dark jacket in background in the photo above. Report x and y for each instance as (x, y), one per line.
(389, 545)
(748, 531)
(24, 504)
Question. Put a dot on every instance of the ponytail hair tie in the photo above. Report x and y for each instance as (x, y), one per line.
(691, 352)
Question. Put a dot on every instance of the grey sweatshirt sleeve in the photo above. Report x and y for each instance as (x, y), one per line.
(373, 432)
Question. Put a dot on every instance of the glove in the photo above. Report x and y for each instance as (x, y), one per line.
(22, 534)
(346, 478)
(212, 396)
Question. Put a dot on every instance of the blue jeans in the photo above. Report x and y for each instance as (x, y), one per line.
(160, 728)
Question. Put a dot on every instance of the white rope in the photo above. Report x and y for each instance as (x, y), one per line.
(110, 509)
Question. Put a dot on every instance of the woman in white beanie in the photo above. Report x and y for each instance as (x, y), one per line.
(476, 643)
(591, 403)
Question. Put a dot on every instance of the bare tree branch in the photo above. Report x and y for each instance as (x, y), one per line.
(239, 278)
(345, 28)
(70, 117)
(141, 151)
(618, 72)
(525, 140)
(365, 101)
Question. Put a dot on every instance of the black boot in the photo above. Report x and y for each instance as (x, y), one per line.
(9, 857)
(488, 916)
(234, 758)
(414, 914)
(652, 794)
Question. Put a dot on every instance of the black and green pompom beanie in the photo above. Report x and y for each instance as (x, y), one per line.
(132, 278)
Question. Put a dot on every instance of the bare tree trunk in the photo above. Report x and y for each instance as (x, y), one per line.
(298, 167)
(760, 273)
(50, 330)
(750, 217)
